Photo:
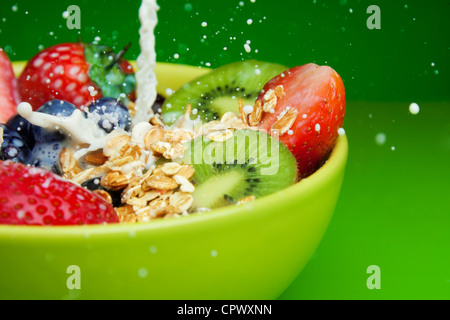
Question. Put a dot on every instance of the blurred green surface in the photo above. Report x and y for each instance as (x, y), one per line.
(393, 212)
(394, 209)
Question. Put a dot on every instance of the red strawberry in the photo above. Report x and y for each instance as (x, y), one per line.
(77, 73)
(8, 89)
(33, 196)
(317, 96)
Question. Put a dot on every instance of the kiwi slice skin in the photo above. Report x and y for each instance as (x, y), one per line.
(218, 92)
(251, 163)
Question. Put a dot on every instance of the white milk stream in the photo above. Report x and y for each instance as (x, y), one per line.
(145, 75)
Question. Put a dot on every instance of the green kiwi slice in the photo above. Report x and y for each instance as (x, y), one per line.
(219, 91)
(250, 163)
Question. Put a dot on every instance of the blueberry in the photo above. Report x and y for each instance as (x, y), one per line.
(45, 154)
(94, 184)
(58, 108)
(46, 150)
(23, 128)
(49, 143)
(14, 147)
(157, 106)
(111, 114)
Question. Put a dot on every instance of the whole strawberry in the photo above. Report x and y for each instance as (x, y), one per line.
(307, 106)
(9, 96)
(33, 196)
(78, 73)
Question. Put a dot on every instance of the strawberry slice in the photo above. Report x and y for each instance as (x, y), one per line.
(8, 89)
(78, 73)
(315, 97)
(33, 196)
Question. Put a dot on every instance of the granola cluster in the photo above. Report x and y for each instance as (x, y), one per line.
(252, 117)
(130, 162)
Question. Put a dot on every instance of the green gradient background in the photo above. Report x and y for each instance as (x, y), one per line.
(394, 210)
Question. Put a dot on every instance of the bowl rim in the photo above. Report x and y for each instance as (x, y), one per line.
(327, 171)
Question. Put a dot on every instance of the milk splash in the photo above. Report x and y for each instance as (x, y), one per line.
(146, 62)
(80, 130)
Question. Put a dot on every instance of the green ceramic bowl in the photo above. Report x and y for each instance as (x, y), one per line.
(251, 251)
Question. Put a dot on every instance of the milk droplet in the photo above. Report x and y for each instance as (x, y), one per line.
(414, 108)
(248, 109)
(49, 256)
(380, 138)
(169, 91)
(317, 127)
(143, 272)
(204, 24)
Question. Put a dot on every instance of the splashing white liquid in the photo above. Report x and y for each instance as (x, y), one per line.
(146, 62)
(80, 130)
